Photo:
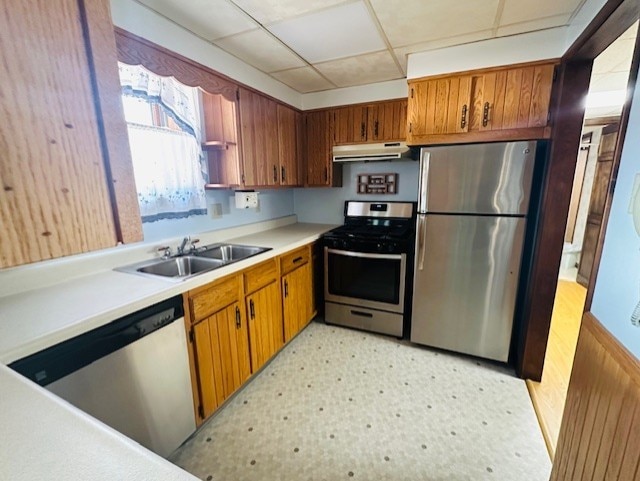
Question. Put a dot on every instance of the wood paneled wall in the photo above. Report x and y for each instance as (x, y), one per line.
(600, 433)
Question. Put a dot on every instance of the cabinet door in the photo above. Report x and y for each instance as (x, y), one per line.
(208, 366)
(265, 324)
(55, 197)
(287, 145)
(439, 106)
(526, 97)
(259, 134)
(387, 121)
(350, 124)
(320, 171)
(297, 300)
(221, 348)
(233, 337)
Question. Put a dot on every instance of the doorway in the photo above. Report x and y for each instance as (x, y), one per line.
(594, 167)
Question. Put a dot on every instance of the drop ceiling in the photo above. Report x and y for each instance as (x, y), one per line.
(318, 45)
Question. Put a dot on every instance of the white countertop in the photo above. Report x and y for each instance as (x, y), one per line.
(40, 318)
(43, 436)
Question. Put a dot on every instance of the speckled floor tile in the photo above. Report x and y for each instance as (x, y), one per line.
(342, 404)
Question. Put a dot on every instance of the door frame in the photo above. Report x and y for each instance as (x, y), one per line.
(615, 17)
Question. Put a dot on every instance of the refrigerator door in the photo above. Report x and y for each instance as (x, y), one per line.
(465, 283)
(478, 178)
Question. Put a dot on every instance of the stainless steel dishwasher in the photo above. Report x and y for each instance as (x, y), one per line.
(132, 374)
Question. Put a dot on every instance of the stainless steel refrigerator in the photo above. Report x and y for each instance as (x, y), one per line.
(472, 206)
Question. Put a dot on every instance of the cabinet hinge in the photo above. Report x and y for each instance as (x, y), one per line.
(201, 412)
(410, 126)
(555, 73)
(243, 178)
(411, 93)
(191, 338)
(237, 94)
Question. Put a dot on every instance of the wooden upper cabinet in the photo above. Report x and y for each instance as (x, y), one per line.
(321, 171)
(56, 192)
(259, 134)
(288, 141)
(378, 122)
(506, 103)
(221, 140)
(387, 121)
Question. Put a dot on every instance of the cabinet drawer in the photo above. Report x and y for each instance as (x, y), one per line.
(259, 276)
(293, 259)
(214, 297)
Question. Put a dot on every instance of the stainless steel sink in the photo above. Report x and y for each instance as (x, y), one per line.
(184, 266)
(202, 260)
(230, 252)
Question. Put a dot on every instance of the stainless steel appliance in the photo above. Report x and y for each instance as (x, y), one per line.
(472, 207)
(367, 264)
(132, 374)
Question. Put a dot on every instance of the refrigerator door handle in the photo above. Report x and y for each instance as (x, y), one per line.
(421, 241)
(425, 157)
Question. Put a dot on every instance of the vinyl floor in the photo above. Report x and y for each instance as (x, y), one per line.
(342, 404)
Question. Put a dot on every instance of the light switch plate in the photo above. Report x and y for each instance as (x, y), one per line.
(246, 200)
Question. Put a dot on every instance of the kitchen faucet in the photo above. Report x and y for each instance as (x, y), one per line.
(183, 245)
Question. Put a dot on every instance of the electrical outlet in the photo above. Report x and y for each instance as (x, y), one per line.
(215, 210)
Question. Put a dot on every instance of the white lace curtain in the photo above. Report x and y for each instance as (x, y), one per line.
(163, 119)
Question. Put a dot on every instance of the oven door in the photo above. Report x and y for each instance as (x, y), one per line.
(362, 279)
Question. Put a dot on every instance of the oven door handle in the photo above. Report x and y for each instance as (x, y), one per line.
(421, 241)
(365, 255)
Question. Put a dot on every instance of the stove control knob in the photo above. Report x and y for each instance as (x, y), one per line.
(379, 247)
(392, 247)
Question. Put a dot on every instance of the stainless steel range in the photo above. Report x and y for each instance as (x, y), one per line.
(368, 267)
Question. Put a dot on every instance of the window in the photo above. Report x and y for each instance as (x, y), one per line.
(164, 123)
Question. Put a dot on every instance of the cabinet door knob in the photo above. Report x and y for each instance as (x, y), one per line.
(362, 131)
(463, 120)
(375, 129)
(238, 319)
(252, 309)
(286, 289)
(283, 172)
(275, 174)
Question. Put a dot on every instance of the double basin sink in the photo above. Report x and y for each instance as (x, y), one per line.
(199, 261)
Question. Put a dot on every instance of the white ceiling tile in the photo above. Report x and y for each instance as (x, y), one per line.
(616, 57)
(261, 50)
(210, 19)
(516, 11)
(608, 82)
(333, 33)
(363, 69)
(267, 11)
(533, 25)
(407, 22)
(304, 79)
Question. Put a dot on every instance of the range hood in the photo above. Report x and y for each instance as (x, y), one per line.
(371, 152)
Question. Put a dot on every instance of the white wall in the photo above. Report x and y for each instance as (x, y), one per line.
(326, 206)
(494, 52)
(272, 204)
(393, 89)
(581, 19)
(617, 290)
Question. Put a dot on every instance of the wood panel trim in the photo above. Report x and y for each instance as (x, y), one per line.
(112, 125)
(628, 362)
(480, 71)
(600, 434)
(556, 195)
(531, 133)
(135, 50)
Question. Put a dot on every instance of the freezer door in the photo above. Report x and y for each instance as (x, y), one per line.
(465, 283)
(478, 178)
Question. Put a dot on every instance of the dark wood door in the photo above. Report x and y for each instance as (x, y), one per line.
(597, 202)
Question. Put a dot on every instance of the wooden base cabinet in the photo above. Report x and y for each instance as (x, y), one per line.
(262, 301)
(297, 290)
